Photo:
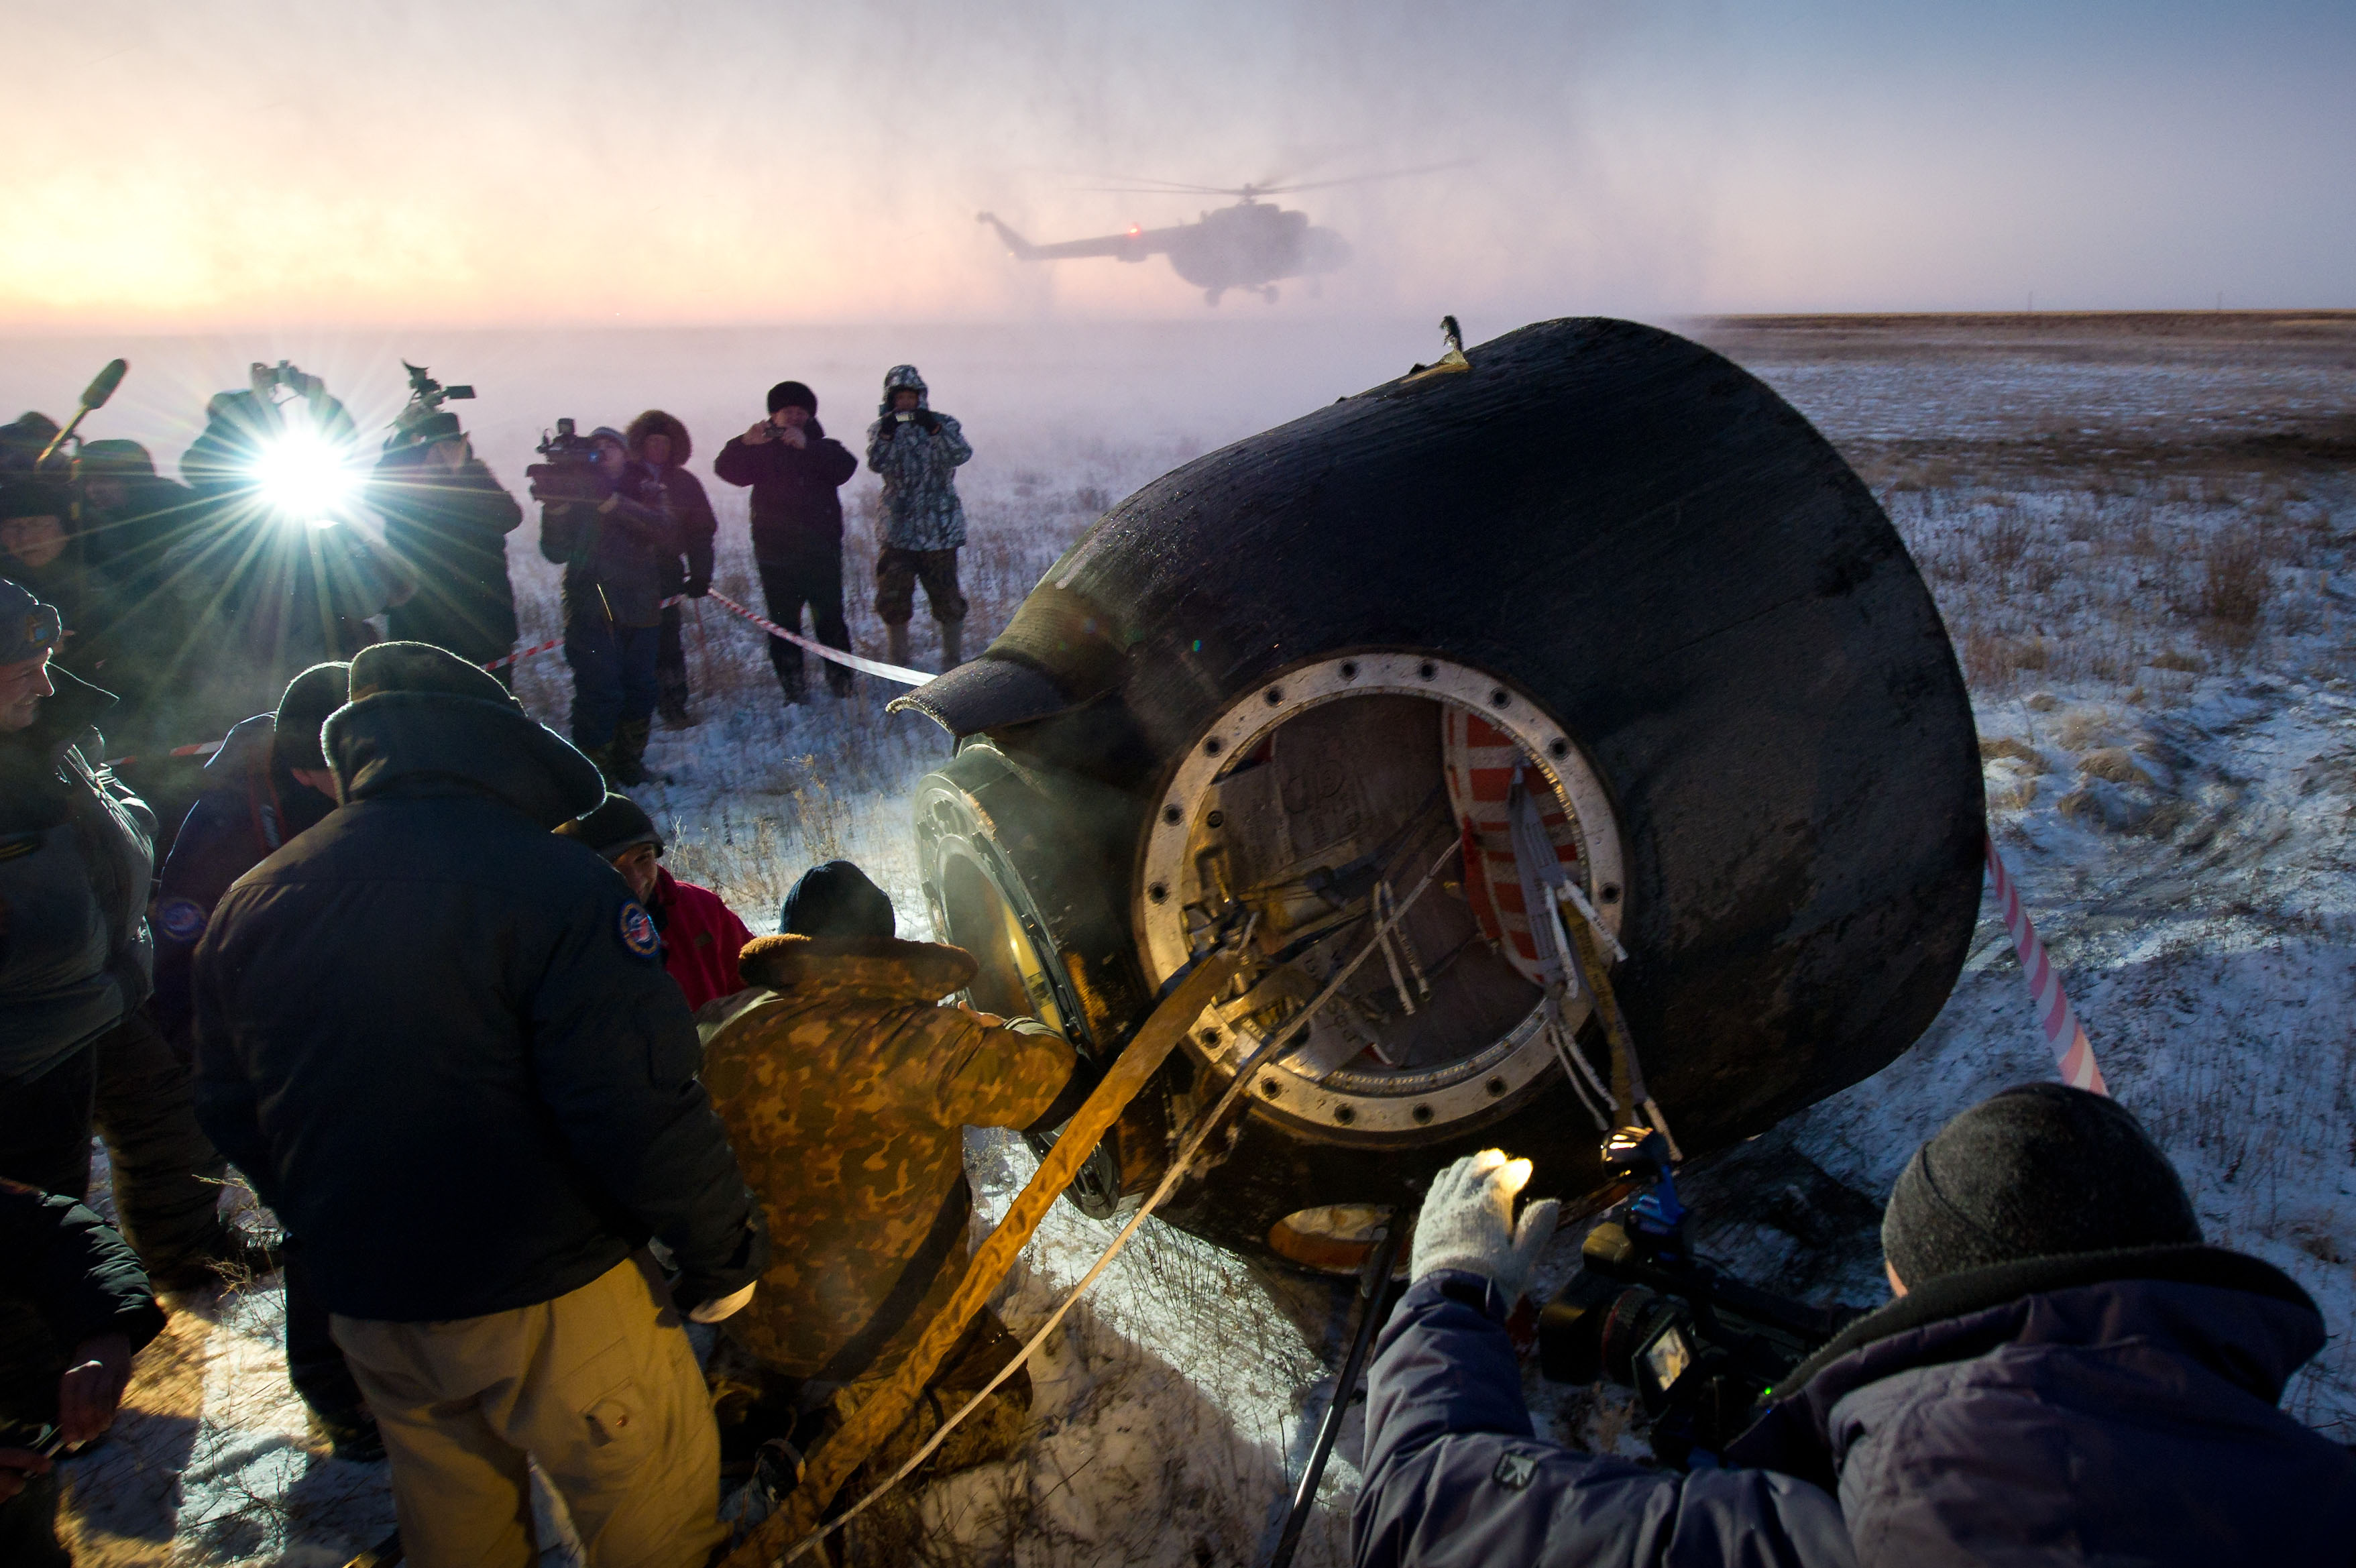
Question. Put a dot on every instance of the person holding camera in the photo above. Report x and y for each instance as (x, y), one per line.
(918, 452)
(2067, 1374)
(448, 516)
(611, 532)
(796, 472)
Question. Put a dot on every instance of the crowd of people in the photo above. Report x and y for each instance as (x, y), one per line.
(524, 1106)
(193, 601)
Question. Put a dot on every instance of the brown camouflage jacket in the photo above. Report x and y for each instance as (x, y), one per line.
(846, 1088)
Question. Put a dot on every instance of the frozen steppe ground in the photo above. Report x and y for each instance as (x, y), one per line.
(2139, 531)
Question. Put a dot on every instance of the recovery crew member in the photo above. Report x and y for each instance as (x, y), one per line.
(74, 1309)
(270, 782)
(846, 1091)
(439, 1040)
(2067, 1375)
(700, 935)
(76, 960)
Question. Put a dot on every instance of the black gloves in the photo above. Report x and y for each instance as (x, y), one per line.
(698, 586)
(928, 421)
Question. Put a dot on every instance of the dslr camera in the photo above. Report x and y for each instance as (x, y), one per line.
(570, 472)
(1700, 1348)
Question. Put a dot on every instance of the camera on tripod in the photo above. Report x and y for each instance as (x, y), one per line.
(571, 472)
(1699, 1346)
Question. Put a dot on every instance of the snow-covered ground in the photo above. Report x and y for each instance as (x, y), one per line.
(2140, 540)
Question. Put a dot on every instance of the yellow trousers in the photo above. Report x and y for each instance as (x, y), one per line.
(598, 1385)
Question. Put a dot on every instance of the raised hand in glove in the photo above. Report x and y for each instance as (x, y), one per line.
(1467, 1223)
(698, 586)
(927, 421)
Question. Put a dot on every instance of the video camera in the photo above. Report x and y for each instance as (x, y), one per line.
(1643, 1311)
(571, 472)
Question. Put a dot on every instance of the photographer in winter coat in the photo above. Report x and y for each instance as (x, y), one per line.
(613, 550)
(439, 1040)
(796, 473)
(448, 516)
(2067, 1376)
(661, 443)
(918, 452)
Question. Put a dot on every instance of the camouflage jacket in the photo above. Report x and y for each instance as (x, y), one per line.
(845, 1089)
(921, 509)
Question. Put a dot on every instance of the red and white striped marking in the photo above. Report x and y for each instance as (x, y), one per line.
(2071, 1051)
(523, 654)
(850, 660)
(1480, 760)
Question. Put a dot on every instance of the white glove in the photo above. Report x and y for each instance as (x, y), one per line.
(1468, 1223)
(725, 1306)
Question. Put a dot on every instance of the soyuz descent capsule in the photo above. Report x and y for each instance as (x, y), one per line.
(1590, 592)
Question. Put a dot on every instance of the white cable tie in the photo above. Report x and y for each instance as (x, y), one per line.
(1569, 889)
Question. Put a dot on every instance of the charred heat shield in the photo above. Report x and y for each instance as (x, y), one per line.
(1597, 577)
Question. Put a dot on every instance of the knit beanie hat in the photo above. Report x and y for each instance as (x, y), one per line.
(2035, 1171)
(310, 698)
(836, 900)
(618, 824)
(792, 395)
(422, 667)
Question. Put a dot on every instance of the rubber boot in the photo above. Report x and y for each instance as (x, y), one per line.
(628, 752)
(895, 645)
(952, 645)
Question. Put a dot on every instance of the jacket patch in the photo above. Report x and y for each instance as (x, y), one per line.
(1513, 1471)
(638, 932)
(182, 919)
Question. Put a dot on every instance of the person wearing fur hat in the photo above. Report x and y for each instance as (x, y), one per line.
(700, 935)
(2067, 1375)
(438, 1039)
(613, 551)
(918, 452)
(447, 518)
(660, 442)
(797, 474)
(846, 1088)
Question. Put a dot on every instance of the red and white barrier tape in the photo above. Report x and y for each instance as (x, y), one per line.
(537, 649)
(2073, 1053)
(905, 677)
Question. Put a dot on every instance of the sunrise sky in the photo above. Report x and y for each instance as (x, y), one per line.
(209, 164)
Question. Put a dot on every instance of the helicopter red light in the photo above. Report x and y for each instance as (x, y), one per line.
(1134, 229)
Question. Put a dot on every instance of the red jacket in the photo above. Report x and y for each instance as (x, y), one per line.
(700, 937)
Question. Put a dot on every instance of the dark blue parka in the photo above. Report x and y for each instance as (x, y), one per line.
(251, 806)
(439, 1039)
(2115, 1409)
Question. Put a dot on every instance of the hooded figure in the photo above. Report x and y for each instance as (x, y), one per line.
(917, 453)
(661, 443)
(439, 1040)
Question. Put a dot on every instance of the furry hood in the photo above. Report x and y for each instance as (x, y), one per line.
(655, 422)
(882, 967)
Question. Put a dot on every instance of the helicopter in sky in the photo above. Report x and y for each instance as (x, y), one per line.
(1252, 245)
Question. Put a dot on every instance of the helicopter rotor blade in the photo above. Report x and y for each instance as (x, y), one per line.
(1361, 178)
